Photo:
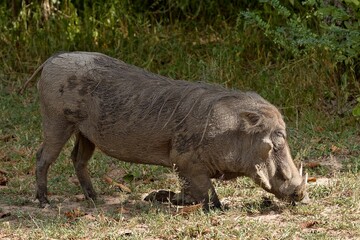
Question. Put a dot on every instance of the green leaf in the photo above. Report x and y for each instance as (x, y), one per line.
(356, 2)
(356, 111)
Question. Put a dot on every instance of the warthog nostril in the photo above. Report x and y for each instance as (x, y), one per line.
(297, 196)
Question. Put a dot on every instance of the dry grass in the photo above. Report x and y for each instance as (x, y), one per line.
(252, 214)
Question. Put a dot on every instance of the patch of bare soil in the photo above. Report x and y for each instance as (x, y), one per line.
(71, 208)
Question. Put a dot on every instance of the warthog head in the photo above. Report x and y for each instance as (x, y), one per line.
(271, 165)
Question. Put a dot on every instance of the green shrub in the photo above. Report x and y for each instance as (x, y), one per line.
(316, 29)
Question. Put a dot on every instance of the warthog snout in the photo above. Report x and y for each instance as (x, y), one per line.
(276, 172)
(293, 189)
(300, 194)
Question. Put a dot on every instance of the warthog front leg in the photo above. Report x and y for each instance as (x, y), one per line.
(80, 156)
(197, 188)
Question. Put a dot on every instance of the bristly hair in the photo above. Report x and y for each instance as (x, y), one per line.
(126, 90)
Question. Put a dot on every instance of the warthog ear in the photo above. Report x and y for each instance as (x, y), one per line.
(251, 121)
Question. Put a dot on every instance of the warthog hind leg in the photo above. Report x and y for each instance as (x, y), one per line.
(80, 156)
(56, 134)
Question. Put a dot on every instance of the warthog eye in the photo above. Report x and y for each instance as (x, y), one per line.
(279, 134)
(278, 140)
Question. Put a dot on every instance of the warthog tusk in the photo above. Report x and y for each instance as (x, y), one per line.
(301, 169)
(263, 177)
(306, 178)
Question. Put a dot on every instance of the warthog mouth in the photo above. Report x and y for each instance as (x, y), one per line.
(296, 197)
(299, 194)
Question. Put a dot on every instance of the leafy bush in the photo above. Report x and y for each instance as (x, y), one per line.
(332, 26)
(315, 29)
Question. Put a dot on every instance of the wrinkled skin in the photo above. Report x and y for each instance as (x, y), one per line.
(202, 131)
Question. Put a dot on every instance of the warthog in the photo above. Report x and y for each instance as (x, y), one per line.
(201, 130)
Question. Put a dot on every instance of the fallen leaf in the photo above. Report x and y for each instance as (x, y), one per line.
(190, 209)
(311, 179)
(119, 185)
(122, 187)
(312, 164)
(335, 149)
(75, 213)
(308, 224)
(319, 129)
(116, 173)
(108, 180)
